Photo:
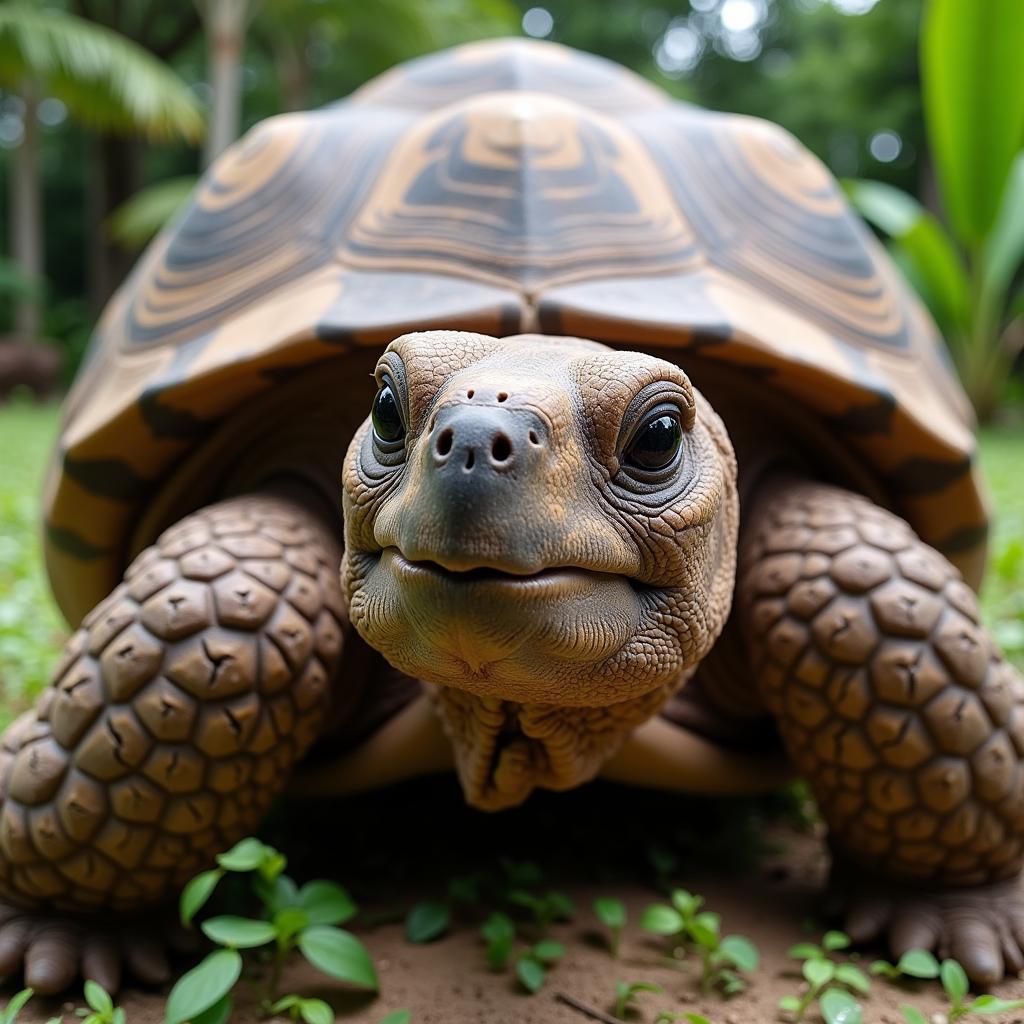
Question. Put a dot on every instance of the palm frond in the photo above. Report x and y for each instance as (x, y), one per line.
(143, 215)
(105, 80)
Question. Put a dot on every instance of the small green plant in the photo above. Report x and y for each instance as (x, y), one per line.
(546, 909)
(823, 977)
(428, 921)
(955, 983)
(499, 932)
(312, 1011)
(305, 919)
(686, 925)
(612, 914)
(9, 1014)
(668, 1017)
(915, 963)
(101, 1008)
(398, 1017)
(627, 993)
(532, 966)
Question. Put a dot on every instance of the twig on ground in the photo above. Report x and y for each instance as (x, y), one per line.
(585, 1008)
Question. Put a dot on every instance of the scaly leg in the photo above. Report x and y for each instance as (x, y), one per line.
(895, 704)
(173, 720)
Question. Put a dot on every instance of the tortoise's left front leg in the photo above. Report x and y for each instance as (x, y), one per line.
(896, 705)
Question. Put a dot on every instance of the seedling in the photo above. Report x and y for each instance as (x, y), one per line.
(824, 976)
(626, 996)
(305, 919)
(101, 1008)
(612, 914)
(428, 921)
(915, 963)
(312, 1011)
(398, 1017)
(499, 932)
(546, 909)
(532, 967)
(954, 982)
(668, 1017)
(722, 958)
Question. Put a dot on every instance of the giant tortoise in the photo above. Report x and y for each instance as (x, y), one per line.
(558, 558)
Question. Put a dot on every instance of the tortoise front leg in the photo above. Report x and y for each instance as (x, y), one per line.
(894, 702)
(172, 721)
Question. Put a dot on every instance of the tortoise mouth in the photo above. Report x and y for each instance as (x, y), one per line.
(516, 578)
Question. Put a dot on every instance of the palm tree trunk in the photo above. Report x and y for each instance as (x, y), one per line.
(27, 221)
(226, 22)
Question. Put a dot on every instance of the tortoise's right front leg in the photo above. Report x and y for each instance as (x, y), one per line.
(173, 720)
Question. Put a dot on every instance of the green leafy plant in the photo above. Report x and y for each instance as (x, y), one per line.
(915, 963)
(499, 932)
(668, 1017)
(956, 986)
(627, 993)
(101, 1008)
(686, 925)
(973, 96)
(546, 909)
(428, 921)
(532, 966)
(312, 1011)
(612, 914)
(398, 1017)
(824, 976)
(293, 918)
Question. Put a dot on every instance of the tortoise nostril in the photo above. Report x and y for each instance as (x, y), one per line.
(502, 396)
(470, 393)
(501, 448)
(444, 441)
(470, 459)
(534, 439)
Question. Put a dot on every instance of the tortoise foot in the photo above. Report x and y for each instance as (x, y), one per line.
(981, 927)
(52, 949)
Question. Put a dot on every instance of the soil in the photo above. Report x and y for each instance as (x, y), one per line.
(760, 864)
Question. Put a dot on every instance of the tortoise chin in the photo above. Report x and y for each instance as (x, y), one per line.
(517, 636)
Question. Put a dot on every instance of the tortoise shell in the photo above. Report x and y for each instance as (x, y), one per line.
(506, 186)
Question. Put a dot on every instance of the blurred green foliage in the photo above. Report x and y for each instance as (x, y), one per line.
(31, 627)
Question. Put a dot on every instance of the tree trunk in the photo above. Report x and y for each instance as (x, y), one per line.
(226, 22)
(27, 222)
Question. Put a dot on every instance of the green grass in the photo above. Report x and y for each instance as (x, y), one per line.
(31, 628)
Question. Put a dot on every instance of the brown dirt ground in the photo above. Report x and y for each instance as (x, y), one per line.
(753, 861)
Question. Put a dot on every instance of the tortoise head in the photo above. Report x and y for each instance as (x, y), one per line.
(537, 520)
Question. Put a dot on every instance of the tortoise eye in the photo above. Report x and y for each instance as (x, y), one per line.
(656, 443)
(386, 416)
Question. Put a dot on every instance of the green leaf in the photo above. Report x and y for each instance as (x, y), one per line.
(685, 902)
(919, 963)
(695, 1018)
(105, 79)
(326, 903)
(740, 951)
(1004, 247)
(219, 1013)
(973, 93)
(427, 921)
(96, 996)
(315, 1011)
(954, 980)
(530, 973)
(339, 954)
(277, 894)
(14, 1006)
(285, 1003)
(120, 1017)
(548, 951)
(203, 986)
(239, 932)
(912, 1015)
(197, 892)
(498, 926)
(839, 1007)
(610, 912)
(398, 1017)
(818, 972)
(790, 1004)
(558, 906)
(246, 855)
(853, 977)
(289, 922)
(883, 967)
(804, 951)
(147, 211)
(993, 1004)
(704, 929)
(662, 920)
(273, 864)
(835, 940)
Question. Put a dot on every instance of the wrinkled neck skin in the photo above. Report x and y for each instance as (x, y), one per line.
(547, 539)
